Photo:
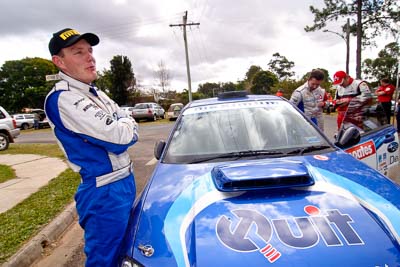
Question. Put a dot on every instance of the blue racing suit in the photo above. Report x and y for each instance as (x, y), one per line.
(94, 134)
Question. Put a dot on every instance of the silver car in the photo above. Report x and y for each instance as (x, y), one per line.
(128, 110)
(24, 121)
(8, 129)
(149, 111)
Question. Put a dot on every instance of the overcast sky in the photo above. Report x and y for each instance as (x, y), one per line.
(232, 36)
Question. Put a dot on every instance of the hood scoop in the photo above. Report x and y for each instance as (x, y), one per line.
(261, 175)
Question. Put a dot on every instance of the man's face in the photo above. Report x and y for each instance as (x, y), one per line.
(345, 82)
(77, 61)
(314, 83)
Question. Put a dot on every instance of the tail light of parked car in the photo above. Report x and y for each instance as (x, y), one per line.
(149, 111)
(14, 123)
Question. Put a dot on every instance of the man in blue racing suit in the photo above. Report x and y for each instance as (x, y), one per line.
(94, 133)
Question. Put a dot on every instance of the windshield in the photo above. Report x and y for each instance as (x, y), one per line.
(256, 128)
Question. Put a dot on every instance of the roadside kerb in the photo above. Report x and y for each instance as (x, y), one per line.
(33, 172)
(33, 250)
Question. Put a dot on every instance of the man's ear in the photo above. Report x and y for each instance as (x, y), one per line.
(58, 61)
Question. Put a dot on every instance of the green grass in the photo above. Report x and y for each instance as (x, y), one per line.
(6, 173)
(25, 220)
(32, 130)
(51, 150)
(158, 121)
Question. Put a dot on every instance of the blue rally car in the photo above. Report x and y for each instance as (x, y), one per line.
(247, 180)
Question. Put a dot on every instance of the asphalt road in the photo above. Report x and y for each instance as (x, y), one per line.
(41, 136)
(141, 153)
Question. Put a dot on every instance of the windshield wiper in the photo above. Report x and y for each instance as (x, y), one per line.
(240, 154)
(302, 150)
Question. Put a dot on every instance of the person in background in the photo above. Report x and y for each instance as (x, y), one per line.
(36, 119)
(279, 93)
(385, 95)
(350, 89)
(94, 133)
(310, 97)
(329, 103)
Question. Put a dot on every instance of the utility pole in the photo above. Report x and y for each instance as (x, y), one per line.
(184, 24)
(347, 45)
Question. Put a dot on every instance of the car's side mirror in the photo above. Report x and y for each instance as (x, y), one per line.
(348, 137)
(158, 149)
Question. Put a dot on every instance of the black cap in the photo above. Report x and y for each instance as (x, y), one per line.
(68, 37)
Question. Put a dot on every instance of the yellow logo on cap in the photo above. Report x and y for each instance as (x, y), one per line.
(65, 35)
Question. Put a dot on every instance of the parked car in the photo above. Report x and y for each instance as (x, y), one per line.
(24, 121)
(248, 179)
(128, 110)
(374, 111)
(39, 111)
(329, 107)
(174, 110)
(149, 111)
(44, 123)
(8, 129)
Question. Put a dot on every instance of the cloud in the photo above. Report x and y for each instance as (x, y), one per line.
(232, 35)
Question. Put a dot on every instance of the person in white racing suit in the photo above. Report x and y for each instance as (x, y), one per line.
(94, 133)
(310, 97)
(352, 97)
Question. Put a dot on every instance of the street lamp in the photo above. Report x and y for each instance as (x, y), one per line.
(347, 40)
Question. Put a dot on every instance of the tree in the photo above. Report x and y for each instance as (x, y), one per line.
(229, 86)
(163, 76)
(23, 83)
(385, 65)
(281, 66)
(253, 70)
(263, 81)
(122, 79)
(184, 96)
(369, 19)
(287, 86)
(248, 79)
(209, 89)
(103, 81)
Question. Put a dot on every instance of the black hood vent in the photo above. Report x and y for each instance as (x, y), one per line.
(261, 175)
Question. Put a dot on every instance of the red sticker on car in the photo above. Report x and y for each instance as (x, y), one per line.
(321, 157)
(362, 150)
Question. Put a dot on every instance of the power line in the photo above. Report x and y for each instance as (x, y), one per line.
(122, 28)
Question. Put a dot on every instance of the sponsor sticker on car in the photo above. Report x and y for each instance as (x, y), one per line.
(363, 150)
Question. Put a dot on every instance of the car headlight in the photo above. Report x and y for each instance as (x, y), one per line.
(128, 262)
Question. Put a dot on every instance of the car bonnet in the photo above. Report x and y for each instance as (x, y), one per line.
(334, 220)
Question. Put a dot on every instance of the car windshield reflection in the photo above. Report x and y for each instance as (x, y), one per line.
(235, 129)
